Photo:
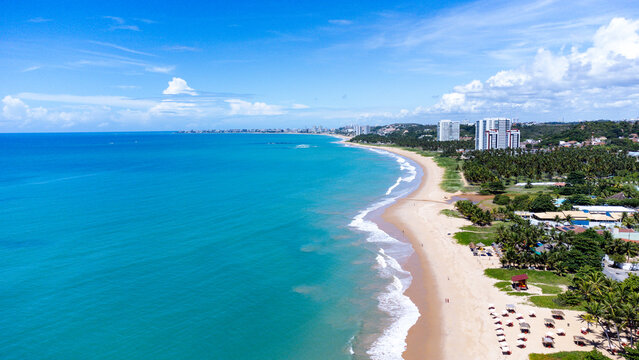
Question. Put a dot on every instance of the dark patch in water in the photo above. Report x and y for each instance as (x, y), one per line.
(22, 243)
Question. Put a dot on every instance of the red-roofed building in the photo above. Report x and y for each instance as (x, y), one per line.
(519, 281)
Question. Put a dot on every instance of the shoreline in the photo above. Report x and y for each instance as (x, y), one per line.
(450, 288)
(424, 338)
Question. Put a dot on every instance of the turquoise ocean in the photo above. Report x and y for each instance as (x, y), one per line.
(199, 246)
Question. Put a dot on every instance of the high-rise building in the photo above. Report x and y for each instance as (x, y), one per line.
(493, 133)
(447, 130)
(361, 130)
(514, 138)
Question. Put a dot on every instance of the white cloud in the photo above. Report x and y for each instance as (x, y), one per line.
(340, 22)
(604, 75)
(32, 68)
(299, 106)
(507, 78)
(160, 69)
(118, 101)
(122, 48)
(120, 24)
(173, 108)
(181, 48)
(178, 86)
(241, 107)
(473, 86)
(14, 108)
(39, 20)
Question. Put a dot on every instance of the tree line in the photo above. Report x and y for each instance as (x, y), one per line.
(501, 164)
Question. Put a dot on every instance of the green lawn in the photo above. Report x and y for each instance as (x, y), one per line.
(476, 234)
(534, 276)
(564, 355)
(547, 302)
(452, 181)
(549, 289)
(482, 229)
(467, 237)
(451, 213)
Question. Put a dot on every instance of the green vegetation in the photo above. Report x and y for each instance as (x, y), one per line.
(569, 355)
(612, 305)
(550, 302)
(451, 213)
(534, 276)
(569, 252)
(503, 164)
(452, 181)
(474, 213)
(585, 130)
(415, 139)
(504, 285)
(467, 237)
(549, 289)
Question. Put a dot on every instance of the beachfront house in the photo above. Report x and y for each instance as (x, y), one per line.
(586, 216)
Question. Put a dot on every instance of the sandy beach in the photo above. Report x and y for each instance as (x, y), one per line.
(450, 289)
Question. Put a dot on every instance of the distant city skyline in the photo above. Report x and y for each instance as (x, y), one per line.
(126, 66)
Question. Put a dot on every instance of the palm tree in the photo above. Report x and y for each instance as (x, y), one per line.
(630, 249)
(588, 319)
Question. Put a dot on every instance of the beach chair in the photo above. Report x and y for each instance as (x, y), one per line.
(580, 340)
(556, 314)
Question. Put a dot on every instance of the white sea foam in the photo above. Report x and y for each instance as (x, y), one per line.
(402, 311)
(302, 146)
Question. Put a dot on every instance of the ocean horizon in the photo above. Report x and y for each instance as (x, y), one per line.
(225, 246)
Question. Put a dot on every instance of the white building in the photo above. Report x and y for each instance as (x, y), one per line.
(514, 138)
(447, 130)
(361, 130)
(495, 133)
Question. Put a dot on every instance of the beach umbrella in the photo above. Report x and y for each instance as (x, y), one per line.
(497, 326)
(531, 313)
(519, 316)
(491, 306)
(500, 332)
(560, 331)
(501, 338)
(550, 334)
(521, 337)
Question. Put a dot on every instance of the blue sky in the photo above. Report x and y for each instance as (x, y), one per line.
(126, 65)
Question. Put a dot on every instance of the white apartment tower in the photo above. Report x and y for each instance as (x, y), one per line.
(513, 138)
(495, 133)
(447, 130)
(361, 130)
